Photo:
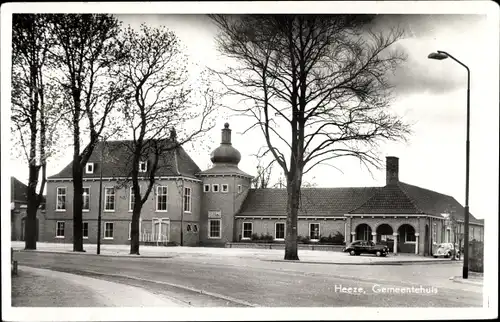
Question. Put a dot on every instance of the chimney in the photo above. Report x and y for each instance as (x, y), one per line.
(226, 134)
(392, 170)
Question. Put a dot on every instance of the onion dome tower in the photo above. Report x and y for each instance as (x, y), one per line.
(225, 187)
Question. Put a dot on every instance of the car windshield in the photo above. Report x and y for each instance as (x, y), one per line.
(445, 245)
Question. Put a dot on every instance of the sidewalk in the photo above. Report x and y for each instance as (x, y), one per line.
(306, 256)
(474, 279)
(34, 287)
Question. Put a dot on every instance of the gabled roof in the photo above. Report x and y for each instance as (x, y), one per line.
(118, 158)
(314, 201)
(403, 198)
(18, 191)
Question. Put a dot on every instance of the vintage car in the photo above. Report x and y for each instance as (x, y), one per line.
(446, 250)
(358, 247)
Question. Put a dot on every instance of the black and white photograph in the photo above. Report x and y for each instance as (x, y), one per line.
(230, 160)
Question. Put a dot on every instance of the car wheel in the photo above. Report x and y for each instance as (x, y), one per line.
(378, 253)
(352, 253)
(448, 255)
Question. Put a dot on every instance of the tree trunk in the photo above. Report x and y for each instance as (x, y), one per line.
(134, 229)
(30, 228)
(77, 206)
(293, 189)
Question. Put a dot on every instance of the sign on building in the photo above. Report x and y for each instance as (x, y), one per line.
(214, 214)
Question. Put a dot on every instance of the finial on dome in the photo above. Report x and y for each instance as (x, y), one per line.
(226, 125)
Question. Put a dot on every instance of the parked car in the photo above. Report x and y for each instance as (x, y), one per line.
(446, 250)
(358, 247)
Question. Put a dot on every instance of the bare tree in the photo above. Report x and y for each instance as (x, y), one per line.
(161, 99)
(85, 55)
(263, 178)
(317, 88)
(34, 116)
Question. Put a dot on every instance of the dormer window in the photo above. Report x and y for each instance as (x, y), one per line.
(89, 168)
(143, 166)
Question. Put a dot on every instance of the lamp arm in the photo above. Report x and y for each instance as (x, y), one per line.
(458, 61)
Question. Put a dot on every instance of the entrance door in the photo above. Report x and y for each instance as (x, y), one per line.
(165, 229)
(161, 229)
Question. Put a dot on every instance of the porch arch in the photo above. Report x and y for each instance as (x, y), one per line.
(363, 232)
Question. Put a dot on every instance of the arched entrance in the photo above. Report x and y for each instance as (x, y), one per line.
(406, 239)
(385, 236)
(363, 232)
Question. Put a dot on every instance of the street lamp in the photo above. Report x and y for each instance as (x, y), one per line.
(440, 55)
(100, 203)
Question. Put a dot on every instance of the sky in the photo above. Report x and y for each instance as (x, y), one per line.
(429, 94)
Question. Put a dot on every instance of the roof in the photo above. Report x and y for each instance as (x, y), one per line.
(403, 198)
(400, 198)
(117, 162)
(314, 201)
(225, 169)
(18, 191)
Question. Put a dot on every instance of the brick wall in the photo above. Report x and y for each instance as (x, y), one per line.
(228, 203)
(122, 215)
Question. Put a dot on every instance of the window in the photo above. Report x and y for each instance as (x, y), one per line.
(85, 230)
(188, 227)
(434, 233)
(247, 230)
(131, 199)
(472, 234)
(195, 228)
(279, 231)
(61, 199)
(143, 166)
(214, 228)
(86, 199)
(240, 188)
(60, 229)
(225, 188)
(109, 199)
(314, 231)
(215, 188)
(89, 168)
(161, 198)
(187, 199)
(108, 230)
(206, 188)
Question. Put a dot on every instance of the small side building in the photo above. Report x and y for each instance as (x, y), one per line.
(18, 211)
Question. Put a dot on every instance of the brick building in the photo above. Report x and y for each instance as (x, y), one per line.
(217, 205)
(18, 208)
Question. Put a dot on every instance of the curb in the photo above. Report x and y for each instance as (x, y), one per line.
(399, 263)
(90, 254)
(184, 287)
(459, 279)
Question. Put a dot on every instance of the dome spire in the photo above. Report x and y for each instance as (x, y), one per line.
(226, 134)
(226, 153)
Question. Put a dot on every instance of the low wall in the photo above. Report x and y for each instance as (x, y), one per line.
(334, 248)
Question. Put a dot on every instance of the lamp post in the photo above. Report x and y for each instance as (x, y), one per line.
(100, 203)
(440, 55)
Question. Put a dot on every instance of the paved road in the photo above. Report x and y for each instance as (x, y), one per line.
(204, 280)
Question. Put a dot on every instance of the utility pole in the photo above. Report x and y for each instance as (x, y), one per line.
(100, 201)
